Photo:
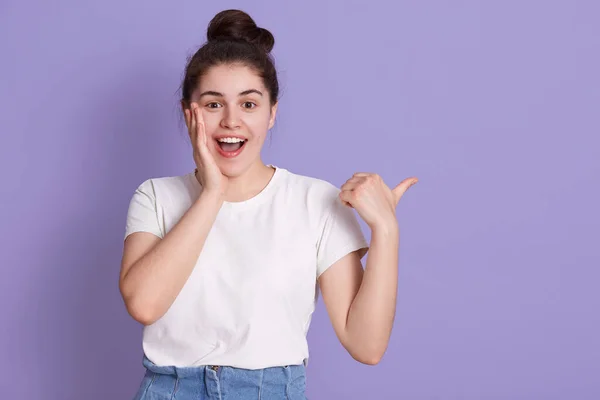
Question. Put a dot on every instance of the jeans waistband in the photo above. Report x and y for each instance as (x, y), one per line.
(183, 372)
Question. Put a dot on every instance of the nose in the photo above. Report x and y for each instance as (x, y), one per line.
(230, 120)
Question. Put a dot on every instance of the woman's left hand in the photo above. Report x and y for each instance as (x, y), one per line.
(372, 199)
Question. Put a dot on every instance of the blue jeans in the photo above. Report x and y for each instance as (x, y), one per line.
(222, 383)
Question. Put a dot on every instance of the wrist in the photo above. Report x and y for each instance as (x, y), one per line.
(211, 197)
(385, 226)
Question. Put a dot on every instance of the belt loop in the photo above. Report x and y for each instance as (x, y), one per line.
(288, 375)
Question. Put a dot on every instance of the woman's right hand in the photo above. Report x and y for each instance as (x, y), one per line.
(209, 173)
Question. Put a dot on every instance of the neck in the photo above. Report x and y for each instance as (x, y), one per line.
(250, 183)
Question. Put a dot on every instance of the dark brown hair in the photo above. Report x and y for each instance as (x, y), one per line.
(233, 38)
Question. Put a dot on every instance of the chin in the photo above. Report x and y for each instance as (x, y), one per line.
(233, 170)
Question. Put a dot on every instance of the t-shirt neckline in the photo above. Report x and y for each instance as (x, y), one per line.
(255, 200)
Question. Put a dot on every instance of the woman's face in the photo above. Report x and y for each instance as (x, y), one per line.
(237, 113)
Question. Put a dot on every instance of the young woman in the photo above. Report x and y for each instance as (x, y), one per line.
(222, 265)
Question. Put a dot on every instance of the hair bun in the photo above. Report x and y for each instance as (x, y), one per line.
(238, 25)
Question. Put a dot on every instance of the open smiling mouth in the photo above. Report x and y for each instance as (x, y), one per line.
(230, 146)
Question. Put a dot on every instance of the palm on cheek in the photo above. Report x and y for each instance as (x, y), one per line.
(210, 174)
(372, 199)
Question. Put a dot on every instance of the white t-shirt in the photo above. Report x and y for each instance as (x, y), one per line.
(249, 300)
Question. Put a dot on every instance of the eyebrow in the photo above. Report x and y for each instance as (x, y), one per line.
(217, 94)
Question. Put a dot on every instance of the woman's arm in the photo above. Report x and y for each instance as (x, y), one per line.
(362, 304)
(153, 271)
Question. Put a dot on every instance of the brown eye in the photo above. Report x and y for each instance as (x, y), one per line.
(213, 105)
(249, 105)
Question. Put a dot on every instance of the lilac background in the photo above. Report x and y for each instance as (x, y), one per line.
(495, 106)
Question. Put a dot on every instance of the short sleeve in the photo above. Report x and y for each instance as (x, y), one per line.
(142, 215)
(341, 235)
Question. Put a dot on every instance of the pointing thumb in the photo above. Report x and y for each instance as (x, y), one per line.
(402, 187)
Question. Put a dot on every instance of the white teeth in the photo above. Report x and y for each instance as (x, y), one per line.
(230, 140)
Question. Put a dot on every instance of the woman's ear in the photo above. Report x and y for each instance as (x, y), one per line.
(273, 115)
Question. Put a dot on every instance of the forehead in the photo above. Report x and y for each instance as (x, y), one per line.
(230, 80)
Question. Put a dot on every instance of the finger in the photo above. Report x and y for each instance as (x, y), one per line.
(200, 131)
(346, 197)
(403, 187)
(361, 174)
(186, 114)
(350, 185)
(202, 126)
(193, 122)
(356, 179)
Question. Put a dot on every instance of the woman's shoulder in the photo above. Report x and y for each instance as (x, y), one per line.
(312, 187)
(170, 186)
